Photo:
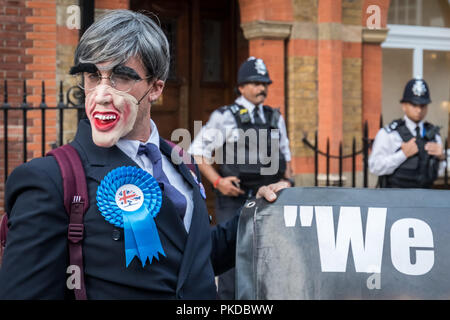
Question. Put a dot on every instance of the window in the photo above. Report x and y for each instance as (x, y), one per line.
(212, 62)
(169, 27)
(428, 13)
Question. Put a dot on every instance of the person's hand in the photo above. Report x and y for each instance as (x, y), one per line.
(435, 149)
(268, 192)
(226, 187)
(410, 148)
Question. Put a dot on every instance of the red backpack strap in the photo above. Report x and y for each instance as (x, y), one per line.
(76, 202)
(3, 234)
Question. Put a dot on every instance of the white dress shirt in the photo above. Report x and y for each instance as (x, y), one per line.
(130, 148)
(208, 139)
(387, 154)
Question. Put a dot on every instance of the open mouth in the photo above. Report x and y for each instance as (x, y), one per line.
(105, 120)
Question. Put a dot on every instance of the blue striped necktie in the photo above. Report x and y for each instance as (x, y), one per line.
(152, 152)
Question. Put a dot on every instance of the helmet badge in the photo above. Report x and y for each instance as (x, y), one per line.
(419, 88)
(260, 67)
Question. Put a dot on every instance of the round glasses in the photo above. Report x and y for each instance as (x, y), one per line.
(89, 81)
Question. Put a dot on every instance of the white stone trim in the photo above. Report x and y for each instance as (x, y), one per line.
(266, 29)
(418, 39)
(411, 37)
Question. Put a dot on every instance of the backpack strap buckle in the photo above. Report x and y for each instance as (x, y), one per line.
(75, 232)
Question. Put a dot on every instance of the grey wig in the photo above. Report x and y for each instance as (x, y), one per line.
(123, 34)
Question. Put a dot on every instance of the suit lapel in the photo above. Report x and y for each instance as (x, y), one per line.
(170, 224)
(166, 149)
(196, 224)
(193, 239)
(100, 161)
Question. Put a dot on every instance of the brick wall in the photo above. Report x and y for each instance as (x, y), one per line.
(67, 39)
(303, 97)
(333, 80)
(303, 86)
(272, 52)
(352, 79)
(271, 10)
(325, 87)
(372, 72)
(42, 34)
(13, 61)
(112, 4)
(269, 48)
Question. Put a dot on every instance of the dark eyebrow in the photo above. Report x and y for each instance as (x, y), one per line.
(126, 71)
(83, 67)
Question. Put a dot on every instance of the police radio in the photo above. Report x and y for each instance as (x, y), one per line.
(244, 116)
(431, 133)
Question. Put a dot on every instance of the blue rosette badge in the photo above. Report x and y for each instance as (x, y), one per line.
(130, 198)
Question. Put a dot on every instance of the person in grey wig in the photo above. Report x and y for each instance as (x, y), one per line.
(121, 63)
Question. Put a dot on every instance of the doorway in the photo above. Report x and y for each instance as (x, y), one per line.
(203, 37)
(207, 46)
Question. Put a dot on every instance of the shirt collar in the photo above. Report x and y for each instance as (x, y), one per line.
(130, 147)
(411, 125)
(246, 104)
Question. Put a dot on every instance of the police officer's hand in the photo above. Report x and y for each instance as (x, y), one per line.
(226, 187)
(410, 148)
(435, 149)
(268, 192)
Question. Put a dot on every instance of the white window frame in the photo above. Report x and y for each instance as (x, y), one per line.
(418, 39)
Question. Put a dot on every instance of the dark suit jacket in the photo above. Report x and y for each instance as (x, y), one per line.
(36, 255)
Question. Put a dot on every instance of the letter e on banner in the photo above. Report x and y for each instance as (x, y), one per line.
(401, 242)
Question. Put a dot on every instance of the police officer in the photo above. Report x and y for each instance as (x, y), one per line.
(406, 153)
(250, 145)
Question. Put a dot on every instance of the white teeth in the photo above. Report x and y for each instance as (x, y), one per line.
(105, 117)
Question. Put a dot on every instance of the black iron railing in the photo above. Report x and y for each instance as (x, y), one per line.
(74, 101)
(340, 157)
(366, 146)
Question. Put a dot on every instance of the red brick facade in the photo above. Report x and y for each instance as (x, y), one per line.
(324, 77)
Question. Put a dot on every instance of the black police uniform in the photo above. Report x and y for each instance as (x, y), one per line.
(420, 170)
(249, 173)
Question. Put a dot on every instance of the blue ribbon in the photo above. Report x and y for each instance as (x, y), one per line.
(130, 198)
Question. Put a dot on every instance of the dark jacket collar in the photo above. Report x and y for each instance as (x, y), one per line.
(176, 160)
(99, 161)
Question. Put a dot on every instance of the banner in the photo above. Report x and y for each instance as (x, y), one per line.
(342, 243)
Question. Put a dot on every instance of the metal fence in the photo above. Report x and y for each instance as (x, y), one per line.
(366, 146)
(74, 101)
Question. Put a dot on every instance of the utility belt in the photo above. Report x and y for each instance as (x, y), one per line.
(419, 171)
(248, 193)
(250, 174)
